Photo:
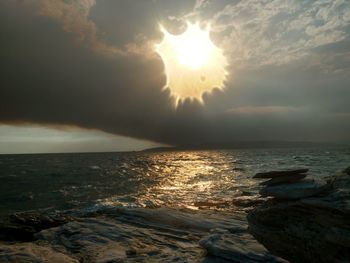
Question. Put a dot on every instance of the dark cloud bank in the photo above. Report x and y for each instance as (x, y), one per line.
(53, 73)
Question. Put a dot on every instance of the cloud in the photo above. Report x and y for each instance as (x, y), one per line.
(74, 18)
(50, 77)
(257, 33)
(89, 64)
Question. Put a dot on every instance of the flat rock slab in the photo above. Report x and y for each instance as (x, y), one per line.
(143, 235)
(29, 252)
(302, 189)
(274, 174)
(284, 179)
(113, 234)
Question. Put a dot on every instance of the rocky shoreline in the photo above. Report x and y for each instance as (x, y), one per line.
(132, 235)
(296, 217)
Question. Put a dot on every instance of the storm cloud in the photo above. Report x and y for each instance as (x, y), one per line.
(91, 64)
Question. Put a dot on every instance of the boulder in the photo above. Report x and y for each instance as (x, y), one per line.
(299, 190)
(274, 174)
(308, 229)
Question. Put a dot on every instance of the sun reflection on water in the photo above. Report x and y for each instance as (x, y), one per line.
(193, 179)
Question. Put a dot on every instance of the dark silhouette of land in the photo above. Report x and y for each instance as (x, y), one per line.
(247, 145)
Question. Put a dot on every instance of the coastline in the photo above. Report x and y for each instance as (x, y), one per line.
(197, 224)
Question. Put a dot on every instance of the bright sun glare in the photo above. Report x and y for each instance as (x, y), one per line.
(193, 64)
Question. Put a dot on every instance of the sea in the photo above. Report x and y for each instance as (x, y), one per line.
(146, 179)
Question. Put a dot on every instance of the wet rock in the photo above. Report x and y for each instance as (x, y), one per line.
(284, 179)
(141, 235)
(23, 226)
(310, 229)
(30, 252)
(274, 174)
(237, 248)
(299, 190)
(101, 240)
(111, 234)
(39, 221)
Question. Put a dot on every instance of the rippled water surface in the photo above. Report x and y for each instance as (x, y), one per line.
(148, 179)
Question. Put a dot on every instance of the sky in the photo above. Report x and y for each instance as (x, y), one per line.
(84, 75)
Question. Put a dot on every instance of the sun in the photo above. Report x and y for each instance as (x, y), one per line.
(193, 64)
